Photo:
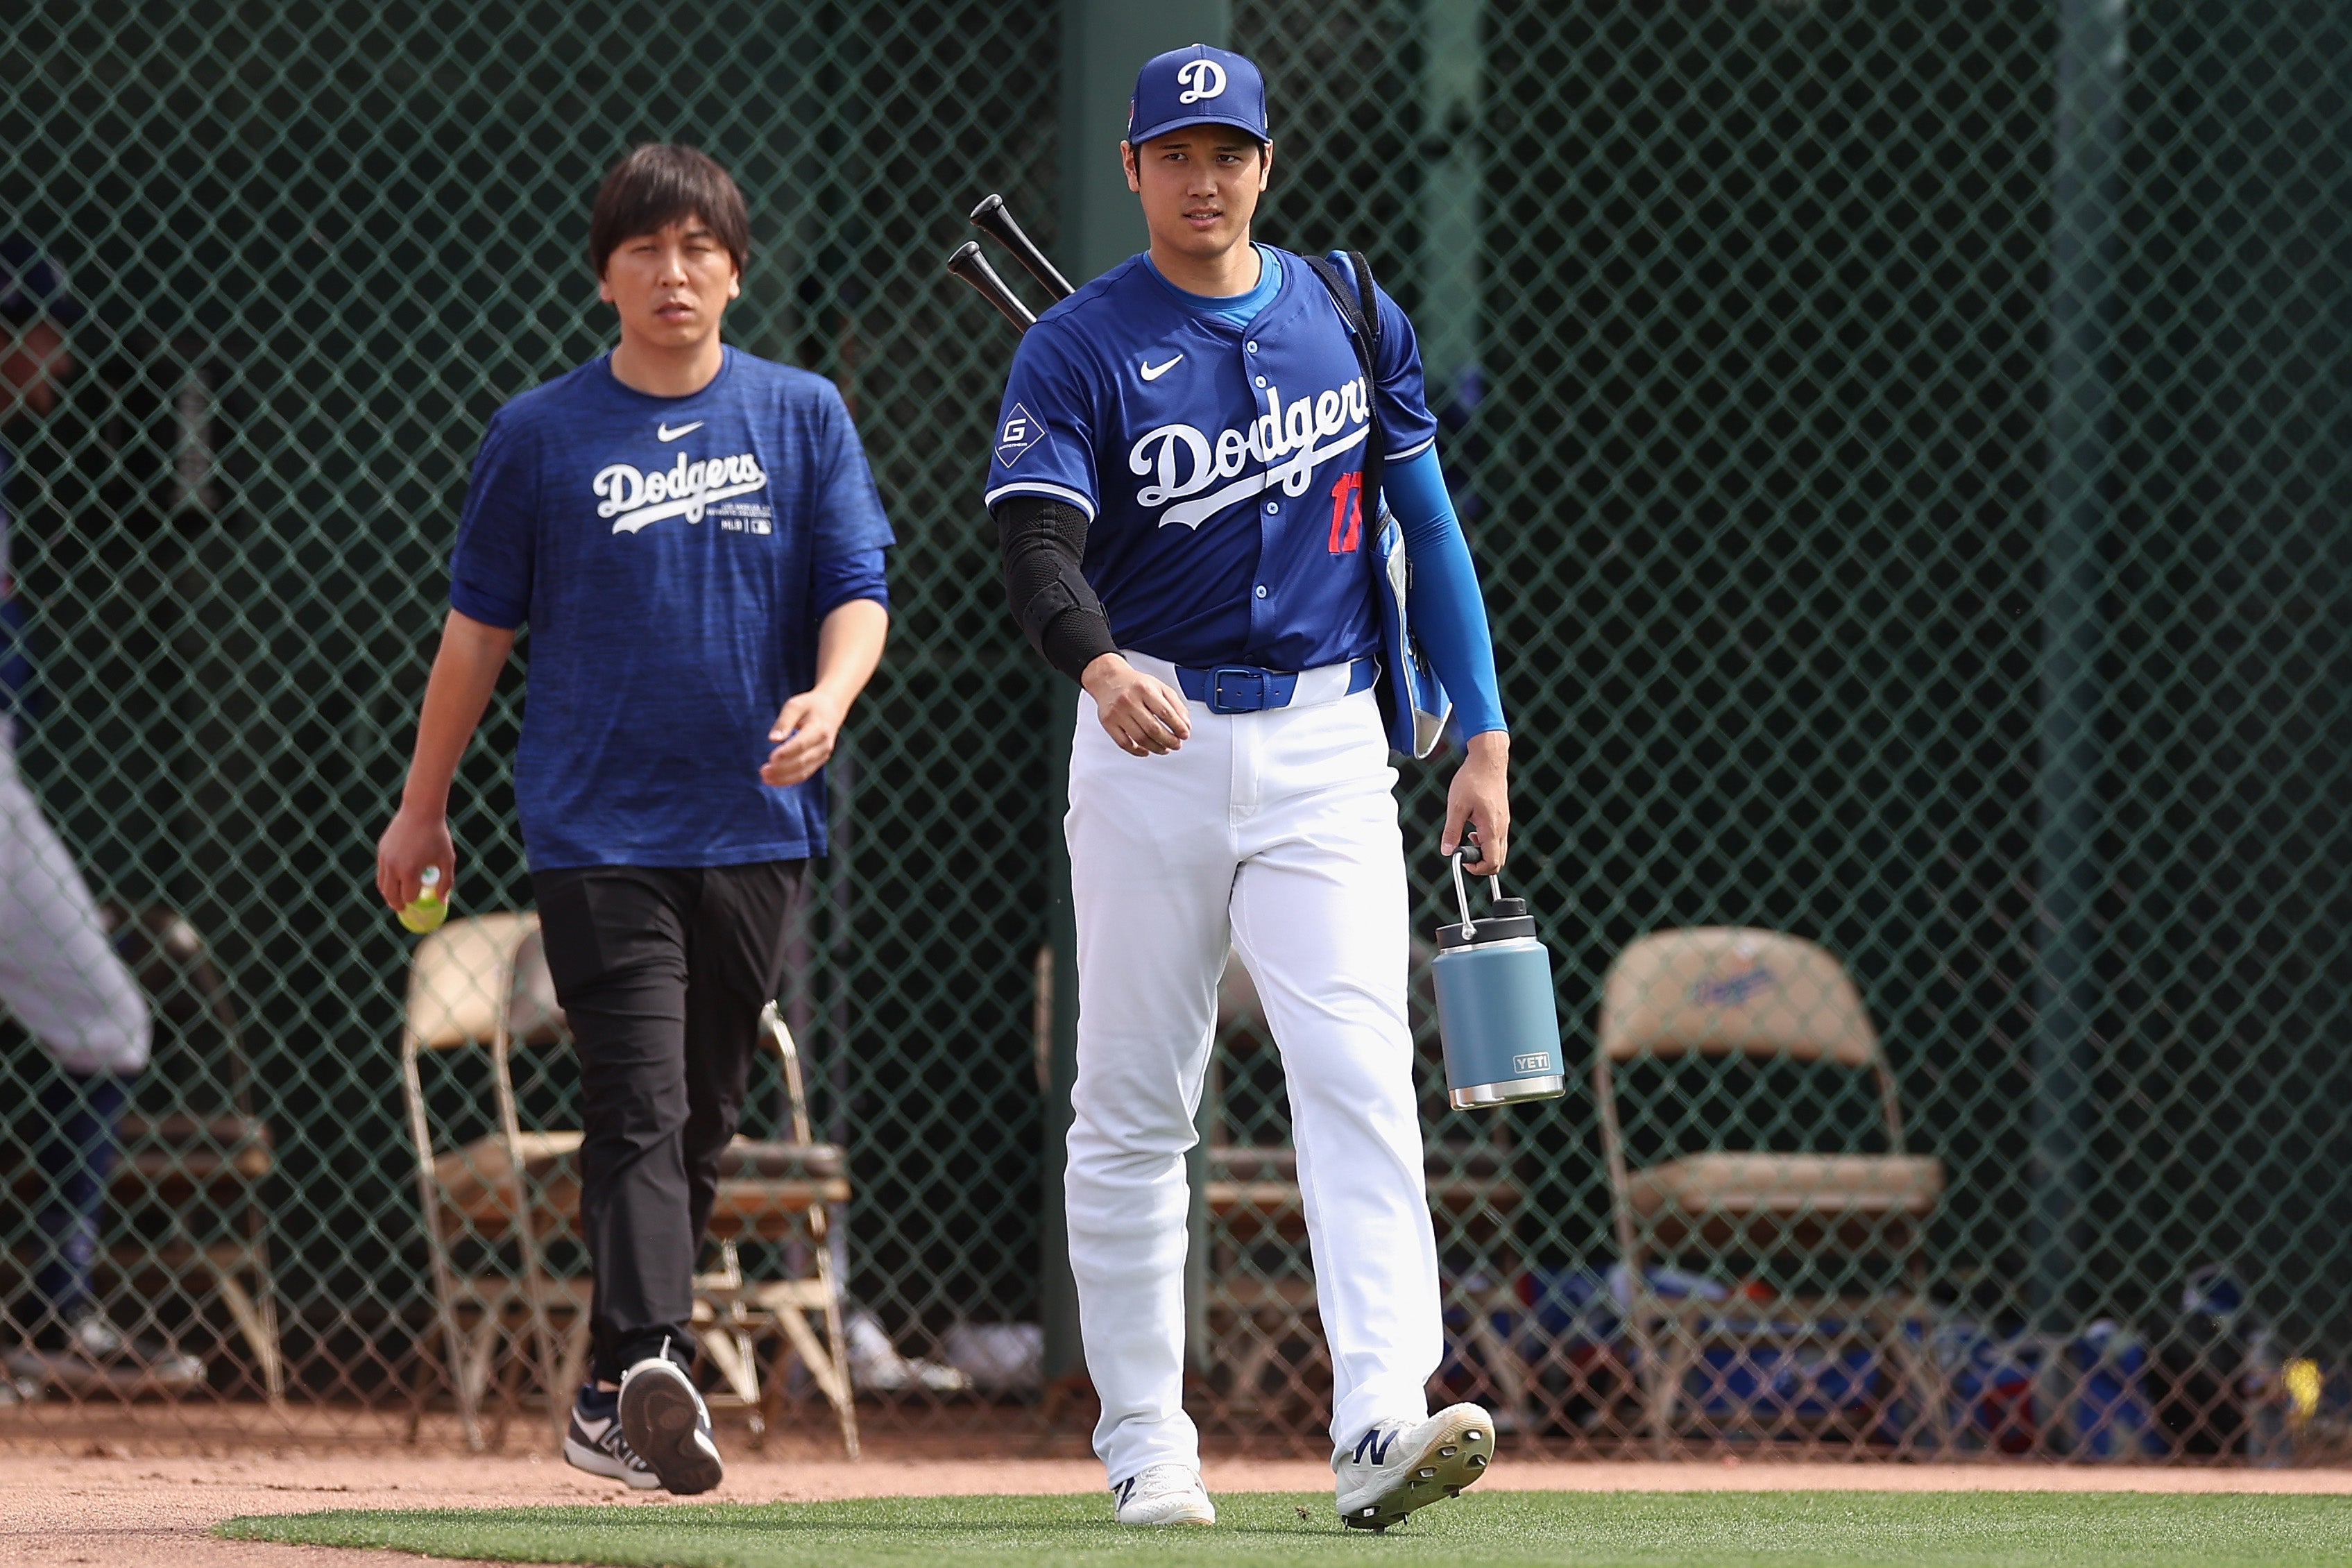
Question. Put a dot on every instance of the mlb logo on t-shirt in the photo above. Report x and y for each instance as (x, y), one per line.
(1021, 432)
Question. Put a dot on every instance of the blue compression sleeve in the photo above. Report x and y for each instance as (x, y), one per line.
(1448, 616)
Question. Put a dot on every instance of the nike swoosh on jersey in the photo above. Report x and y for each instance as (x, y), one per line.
(666, 433)
(1154, 371)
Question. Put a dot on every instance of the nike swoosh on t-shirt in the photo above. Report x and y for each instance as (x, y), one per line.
(1154, 371)
(666, 433)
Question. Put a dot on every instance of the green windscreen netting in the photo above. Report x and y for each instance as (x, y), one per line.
(1903, 446)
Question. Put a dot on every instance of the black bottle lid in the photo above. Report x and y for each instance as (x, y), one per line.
(1506, 921)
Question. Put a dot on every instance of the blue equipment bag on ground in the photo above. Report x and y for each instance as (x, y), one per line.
(1414, 704)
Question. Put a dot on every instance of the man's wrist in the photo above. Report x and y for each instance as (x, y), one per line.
(838, 696)
(421, 802)
(1103, 667)
(1488, 746)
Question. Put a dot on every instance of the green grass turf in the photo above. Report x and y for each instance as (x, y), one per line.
(1651, 1529)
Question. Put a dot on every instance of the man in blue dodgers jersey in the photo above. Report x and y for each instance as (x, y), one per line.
(694, 537)
(1176, 484)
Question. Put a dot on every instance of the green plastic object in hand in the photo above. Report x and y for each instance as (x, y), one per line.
(429, 909)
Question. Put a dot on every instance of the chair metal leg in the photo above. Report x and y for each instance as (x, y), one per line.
(573, 1371)
(457, 1354)
(1925, 1376)
(1657, 1393)
(1502, 1368)
(845, 1401)
(474, 1373)
(1665, 1398)
(261, 1335)
(730, 1349)
(271, 1350)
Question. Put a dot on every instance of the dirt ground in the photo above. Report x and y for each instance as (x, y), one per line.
(109, 1505)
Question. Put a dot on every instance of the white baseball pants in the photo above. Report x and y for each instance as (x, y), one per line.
(59, 974)
(1275, 834)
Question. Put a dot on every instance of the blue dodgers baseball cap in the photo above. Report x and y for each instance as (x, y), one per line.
(1196, 86)
(32, 285)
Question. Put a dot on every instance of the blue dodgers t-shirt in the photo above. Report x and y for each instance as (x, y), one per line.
(674, 557)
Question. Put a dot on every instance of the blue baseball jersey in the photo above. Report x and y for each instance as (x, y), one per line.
(673, 557)
(1218, 462)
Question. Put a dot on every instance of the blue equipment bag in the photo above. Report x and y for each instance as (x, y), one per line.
(1413, 703)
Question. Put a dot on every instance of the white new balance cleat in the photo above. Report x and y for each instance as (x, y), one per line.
(1164, 1494)
(1399, 1465)
(666, 1422)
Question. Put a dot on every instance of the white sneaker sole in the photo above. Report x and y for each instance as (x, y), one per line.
(1190, 1514)
(1457, 1452)
(598, 1463)
(662, 1419)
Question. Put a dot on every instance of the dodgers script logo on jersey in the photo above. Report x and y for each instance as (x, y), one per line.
(633, 498)
(1289, 441)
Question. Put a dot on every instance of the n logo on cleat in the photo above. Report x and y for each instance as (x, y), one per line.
(1378, 1443)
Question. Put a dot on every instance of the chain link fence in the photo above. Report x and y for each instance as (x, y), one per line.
(1903, 450)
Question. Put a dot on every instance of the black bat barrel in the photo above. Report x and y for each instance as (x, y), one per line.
(971, 266)
(991, 217)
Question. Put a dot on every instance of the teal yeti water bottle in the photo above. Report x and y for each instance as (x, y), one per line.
(1496, 1012)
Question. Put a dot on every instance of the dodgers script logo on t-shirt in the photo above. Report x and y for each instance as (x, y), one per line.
(633, 498)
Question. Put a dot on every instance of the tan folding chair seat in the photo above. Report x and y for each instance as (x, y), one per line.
(1795, 1201)
(762, 1186)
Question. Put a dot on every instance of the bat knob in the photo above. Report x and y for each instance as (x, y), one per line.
(989, 204)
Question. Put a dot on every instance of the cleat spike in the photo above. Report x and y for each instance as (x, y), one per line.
(1448, 1451)
(1428, 1474)
(1474, 1437)
(1478, 1461)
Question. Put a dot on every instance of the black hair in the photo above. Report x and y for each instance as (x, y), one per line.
(661, 183)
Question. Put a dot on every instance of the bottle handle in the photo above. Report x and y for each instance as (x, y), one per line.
(1461, 892)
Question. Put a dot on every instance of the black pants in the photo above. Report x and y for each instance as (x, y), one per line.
(662, 973)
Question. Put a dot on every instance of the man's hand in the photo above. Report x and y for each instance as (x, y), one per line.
(848, 646)
(805, 735)
(1480, 797)
(1143, 715)
(416, 839)
(465, 672)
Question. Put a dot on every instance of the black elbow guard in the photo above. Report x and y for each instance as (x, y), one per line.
(1043, 542)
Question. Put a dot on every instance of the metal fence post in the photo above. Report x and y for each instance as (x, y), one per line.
(2083, 235)
(1103, 42)
(1453, 87)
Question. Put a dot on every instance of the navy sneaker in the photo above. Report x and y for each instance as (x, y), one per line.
(594, 1444)
(665, 1420)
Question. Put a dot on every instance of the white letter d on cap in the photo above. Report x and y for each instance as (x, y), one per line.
(1201, 78)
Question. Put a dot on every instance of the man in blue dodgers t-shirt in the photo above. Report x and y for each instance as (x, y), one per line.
(694, 537)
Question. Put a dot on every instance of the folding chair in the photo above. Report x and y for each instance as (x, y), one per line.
(187, 1188)
(483, 982)
(1763, 995)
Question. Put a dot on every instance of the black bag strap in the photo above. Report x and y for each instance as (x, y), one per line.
(1359, 309)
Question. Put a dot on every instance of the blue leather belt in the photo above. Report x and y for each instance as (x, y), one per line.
(1246, 688)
